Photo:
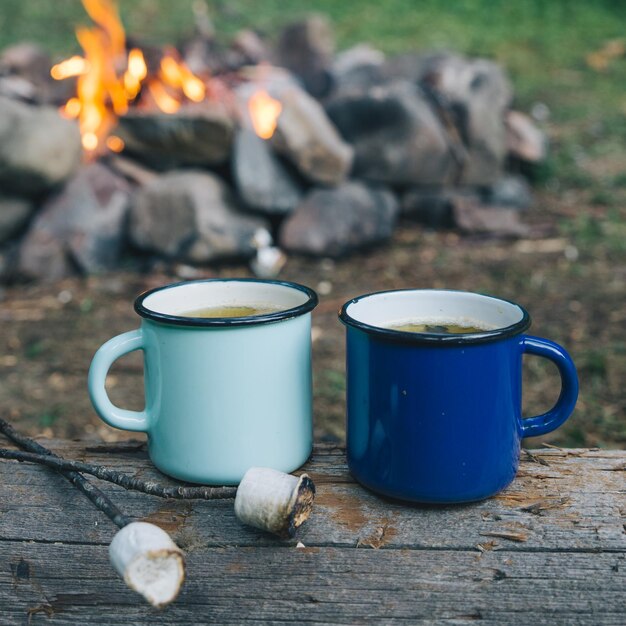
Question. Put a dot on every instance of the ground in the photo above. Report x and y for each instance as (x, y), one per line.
(571, 275)
(572, 284)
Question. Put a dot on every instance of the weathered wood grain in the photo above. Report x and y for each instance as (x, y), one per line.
(550, 549)
(75, 585)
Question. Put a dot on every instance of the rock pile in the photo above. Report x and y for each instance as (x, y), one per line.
(361, 141)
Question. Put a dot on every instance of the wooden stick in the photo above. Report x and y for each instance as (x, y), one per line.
(266, 498)
(143, 554)
(92, 492)
(123, 480)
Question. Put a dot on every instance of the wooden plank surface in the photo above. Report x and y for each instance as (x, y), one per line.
(551, 549)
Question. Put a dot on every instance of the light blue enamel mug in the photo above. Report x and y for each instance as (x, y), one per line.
(221, 394)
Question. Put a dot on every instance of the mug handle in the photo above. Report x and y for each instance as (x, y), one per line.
(547, 422)
(100, 365)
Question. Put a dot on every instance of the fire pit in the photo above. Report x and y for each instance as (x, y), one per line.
(213, 152)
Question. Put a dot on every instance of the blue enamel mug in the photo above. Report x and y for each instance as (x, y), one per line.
(221, 394)
(433, 417)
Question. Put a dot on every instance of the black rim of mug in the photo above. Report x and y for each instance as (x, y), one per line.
(434, 338)
(222, 322)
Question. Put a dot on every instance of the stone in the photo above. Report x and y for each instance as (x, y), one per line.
(471, 216)
(524, 140)
(357, 68)
(510, 191)
(413, 66)
(474, 95)
(43, 256)
(197, 134)
(191, 216)
(250, 46)
(396, 136)
(8, 262)
(17, 88)
(131, 169)
(205, 55)
(14, 214)
(271, 80)
(334, 222)
(202, 57)
(25, 73)
(469, 98)
(83, 227)
(432, 207)
(358, 56)
(28, 60)
(39, 149)
(306, 137)
(307, 48)
(268, 78)
(262, 180)
(361, 68)
(462, 208)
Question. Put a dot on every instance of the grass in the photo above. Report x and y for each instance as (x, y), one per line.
(539, 41)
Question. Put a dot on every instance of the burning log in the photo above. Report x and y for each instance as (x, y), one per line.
(193, 135)
(143, 554)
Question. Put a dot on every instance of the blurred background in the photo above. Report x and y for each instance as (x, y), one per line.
(567, 65)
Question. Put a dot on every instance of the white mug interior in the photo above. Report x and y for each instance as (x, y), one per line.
(179, 300)
(431, 306)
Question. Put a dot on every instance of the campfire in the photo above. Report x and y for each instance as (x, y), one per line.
(247, 150)
(110, 79)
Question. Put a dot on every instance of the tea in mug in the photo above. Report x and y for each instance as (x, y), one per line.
(232, 311)
(440, 327)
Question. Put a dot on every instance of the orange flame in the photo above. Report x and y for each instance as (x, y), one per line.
(163, 100)
(137, 70)
(114, 143)
(74, 66)
(176, 74)
(72, 108)
(264, 111)
(104, 13)
(109, 79)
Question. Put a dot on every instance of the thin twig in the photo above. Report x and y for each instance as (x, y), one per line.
(123, 480)
(535, 459)
(78, 480)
